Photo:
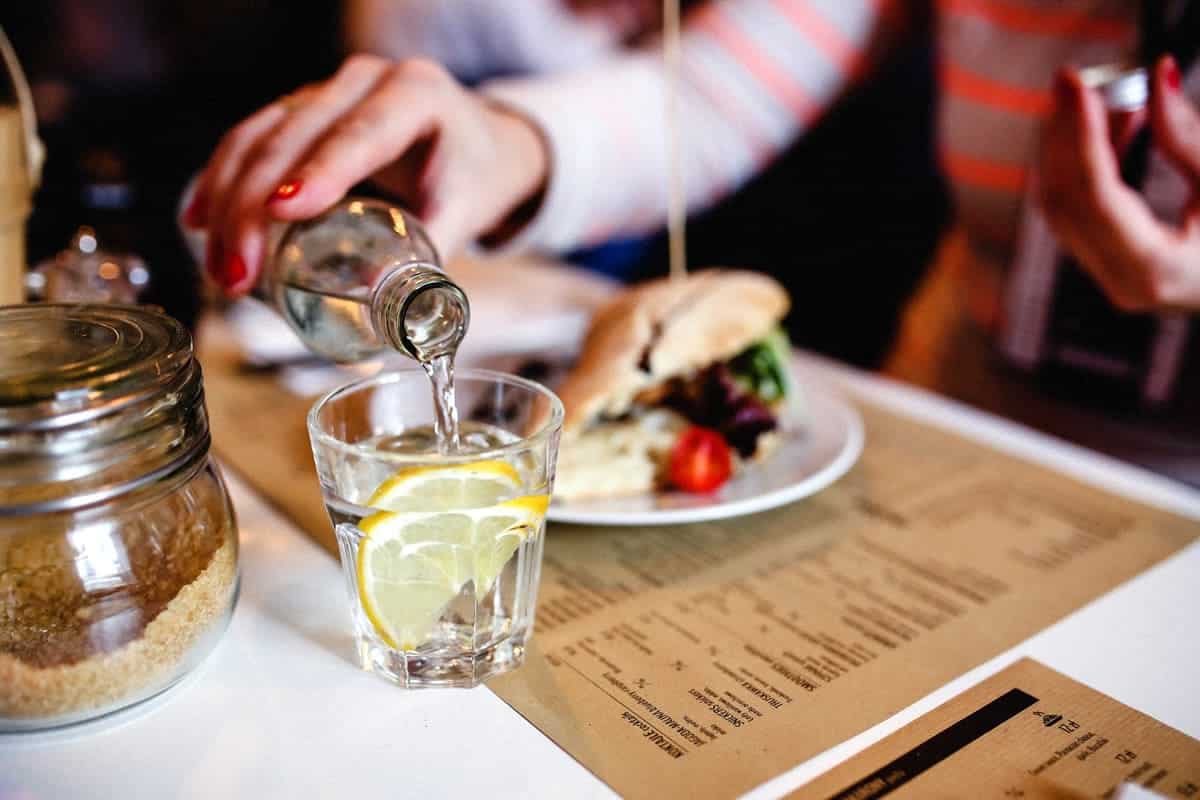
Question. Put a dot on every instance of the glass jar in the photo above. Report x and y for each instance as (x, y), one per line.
(118, 546)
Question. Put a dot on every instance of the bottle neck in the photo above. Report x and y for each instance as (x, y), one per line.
(418, 310)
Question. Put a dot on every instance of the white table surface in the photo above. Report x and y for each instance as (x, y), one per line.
(280, 711)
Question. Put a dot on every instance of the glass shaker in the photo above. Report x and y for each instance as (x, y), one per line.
(85, 272)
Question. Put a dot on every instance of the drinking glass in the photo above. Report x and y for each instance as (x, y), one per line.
(441, 551)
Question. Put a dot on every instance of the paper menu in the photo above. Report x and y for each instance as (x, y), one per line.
(702, 660)
(1026, 732)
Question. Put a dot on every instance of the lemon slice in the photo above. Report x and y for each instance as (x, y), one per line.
(447, 488)
(411, 564)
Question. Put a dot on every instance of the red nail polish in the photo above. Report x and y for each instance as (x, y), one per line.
(196, 214)
(286, 191)
(1172, 74)
(234, 271)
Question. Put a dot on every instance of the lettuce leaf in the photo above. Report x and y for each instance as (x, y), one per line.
(763, 369)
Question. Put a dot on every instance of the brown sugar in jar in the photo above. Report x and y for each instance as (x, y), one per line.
(118, 547)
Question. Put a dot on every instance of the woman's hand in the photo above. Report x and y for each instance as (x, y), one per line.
(1141, 262)
(459, 162)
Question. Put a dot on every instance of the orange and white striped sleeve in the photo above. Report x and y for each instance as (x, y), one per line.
(754, 75)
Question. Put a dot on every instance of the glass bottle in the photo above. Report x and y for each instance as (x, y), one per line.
(363, 278)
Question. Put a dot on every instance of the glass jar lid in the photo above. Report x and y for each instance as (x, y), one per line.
(95, 401)
(60, 363)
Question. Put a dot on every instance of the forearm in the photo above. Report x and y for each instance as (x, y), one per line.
(755, 74)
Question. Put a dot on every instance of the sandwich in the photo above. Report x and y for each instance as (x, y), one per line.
(680, 383)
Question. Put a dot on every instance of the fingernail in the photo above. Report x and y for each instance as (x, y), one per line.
(286, 191)
(1172, 74)
(233, 271)
(194, 215)
(225, 271)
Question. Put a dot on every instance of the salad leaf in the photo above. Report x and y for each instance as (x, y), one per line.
(762, 368)
(713, 398)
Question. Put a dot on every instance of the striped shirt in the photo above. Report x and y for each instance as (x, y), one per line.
(757, 73)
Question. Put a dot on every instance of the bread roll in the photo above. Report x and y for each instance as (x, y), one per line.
(664, 329)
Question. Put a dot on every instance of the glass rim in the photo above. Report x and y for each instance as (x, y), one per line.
(106, 358)
(319, 436)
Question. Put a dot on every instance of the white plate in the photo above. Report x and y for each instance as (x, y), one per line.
(805, 463)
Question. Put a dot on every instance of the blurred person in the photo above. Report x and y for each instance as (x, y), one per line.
(812, 191)
(569, 159)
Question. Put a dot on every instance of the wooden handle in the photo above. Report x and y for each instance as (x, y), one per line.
(35, 151)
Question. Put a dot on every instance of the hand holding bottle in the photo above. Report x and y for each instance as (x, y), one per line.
(461, 163)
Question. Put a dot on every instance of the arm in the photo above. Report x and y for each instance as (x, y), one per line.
(756, 72)
(754, 75)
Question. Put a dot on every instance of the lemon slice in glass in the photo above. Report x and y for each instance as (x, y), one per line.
(411, 564)
(446, 488)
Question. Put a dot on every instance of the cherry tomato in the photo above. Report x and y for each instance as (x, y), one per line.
(700, 460)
